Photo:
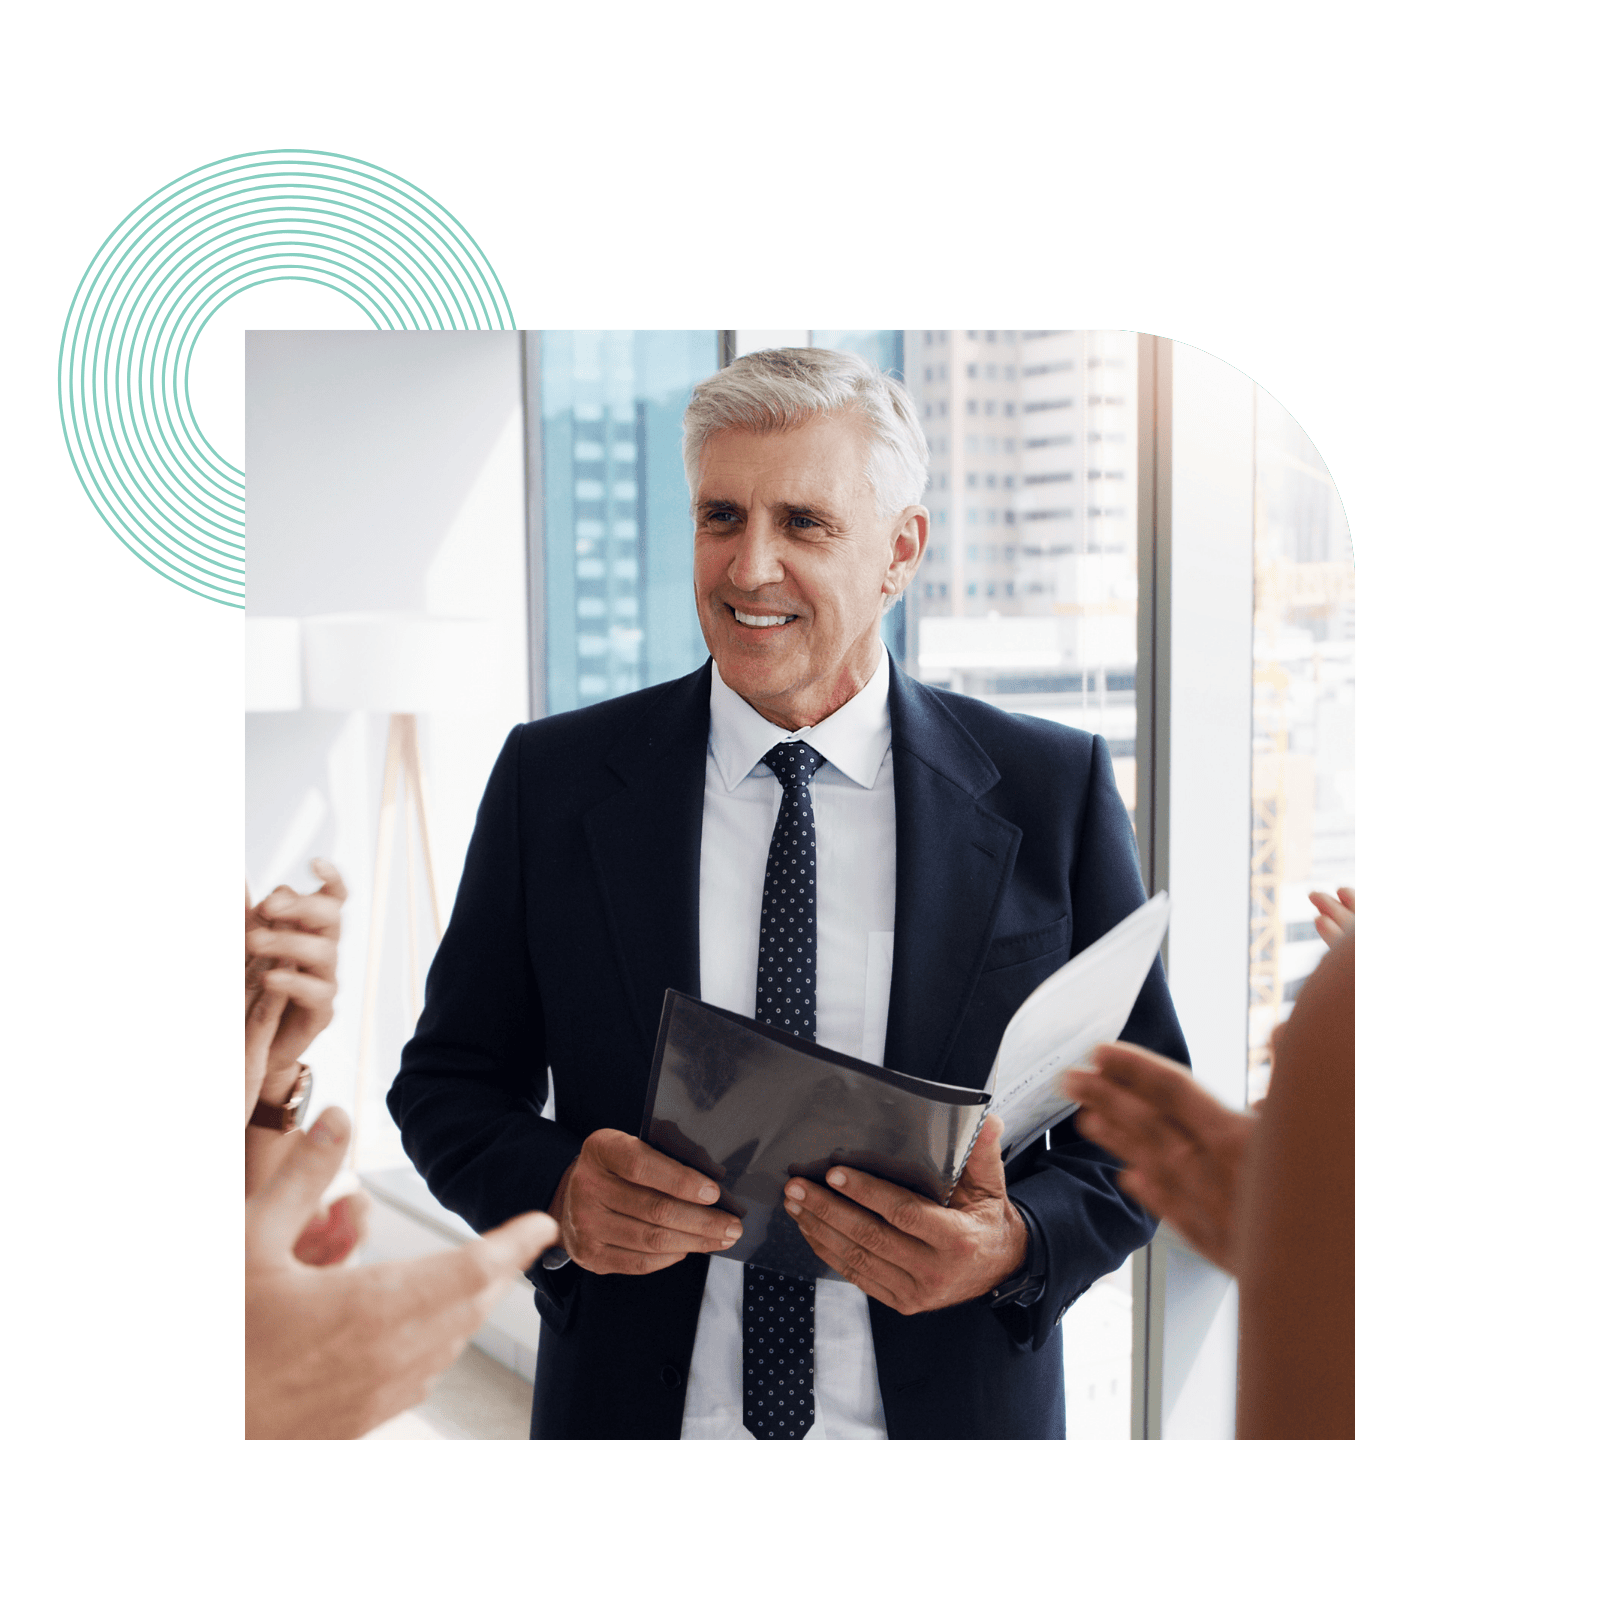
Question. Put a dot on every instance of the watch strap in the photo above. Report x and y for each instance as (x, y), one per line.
(291, 1113)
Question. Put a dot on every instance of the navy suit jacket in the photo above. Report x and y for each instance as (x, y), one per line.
(579, 906)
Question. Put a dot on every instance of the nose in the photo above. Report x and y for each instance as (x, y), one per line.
(756, 560)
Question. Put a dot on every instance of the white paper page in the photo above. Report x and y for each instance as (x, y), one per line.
(1082, 1004)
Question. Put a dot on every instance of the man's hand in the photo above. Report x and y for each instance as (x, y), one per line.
(292, 948)
(1335, 917)
(1183, 1149)
(331, 1353)
(905, 1250)
(624, 1207)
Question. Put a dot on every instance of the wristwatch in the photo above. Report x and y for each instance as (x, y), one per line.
(291, 1113)
(1026, 1284)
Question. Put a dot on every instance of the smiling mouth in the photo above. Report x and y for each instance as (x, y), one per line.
(752, 619)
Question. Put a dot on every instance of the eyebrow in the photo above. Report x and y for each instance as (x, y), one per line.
(816, 513)
(789, 508)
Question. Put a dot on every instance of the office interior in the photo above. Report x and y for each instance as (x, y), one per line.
(450, 533)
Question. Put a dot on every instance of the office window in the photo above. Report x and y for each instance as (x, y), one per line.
(1302, 774)
(1050, 631)
(617, 531)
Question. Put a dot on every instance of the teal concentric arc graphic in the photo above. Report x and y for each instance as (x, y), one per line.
(271, 215)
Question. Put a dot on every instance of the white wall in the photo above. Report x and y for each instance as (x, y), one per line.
(385, 473)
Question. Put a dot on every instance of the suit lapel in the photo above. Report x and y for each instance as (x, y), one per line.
(953, 860)
(645, 844)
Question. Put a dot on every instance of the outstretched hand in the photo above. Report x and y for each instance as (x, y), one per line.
(1335, 916)
(906, 1250)
(1183, 1148)
(331, 1353)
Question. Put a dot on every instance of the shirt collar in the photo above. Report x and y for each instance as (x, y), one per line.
(854, 739)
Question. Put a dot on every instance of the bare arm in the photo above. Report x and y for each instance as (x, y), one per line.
(1297, 1253)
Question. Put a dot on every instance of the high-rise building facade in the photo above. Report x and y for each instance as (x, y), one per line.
(1029, 593)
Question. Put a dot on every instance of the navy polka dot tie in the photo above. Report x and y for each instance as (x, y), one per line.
(779, 1311)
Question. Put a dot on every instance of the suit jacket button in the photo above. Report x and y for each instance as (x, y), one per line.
(670, 1377)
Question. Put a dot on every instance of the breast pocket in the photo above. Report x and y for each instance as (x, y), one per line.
(1016, 949)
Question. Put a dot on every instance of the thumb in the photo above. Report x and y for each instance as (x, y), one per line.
(279, 1213)
(984, 1177)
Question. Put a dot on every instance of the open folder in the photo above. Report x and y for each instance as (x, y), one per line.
(752, 1106)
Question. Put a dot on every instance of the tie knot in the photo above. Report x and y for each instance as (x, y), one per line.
(793, 762)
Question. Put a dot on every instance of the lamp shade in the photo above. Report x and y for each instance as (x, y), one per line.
(394, 661)
(272, 663)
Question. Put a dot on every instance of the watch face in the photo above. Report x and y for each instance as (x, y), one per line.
(299, 1099)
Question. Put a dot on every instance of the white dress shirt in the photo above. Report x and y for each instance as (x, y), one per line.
(852, 799)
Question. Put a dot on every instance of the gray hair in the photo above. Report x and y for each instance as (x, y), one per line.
(770, 391)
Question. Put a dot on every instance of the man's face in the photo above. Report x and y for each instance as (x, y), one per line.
(792, 561)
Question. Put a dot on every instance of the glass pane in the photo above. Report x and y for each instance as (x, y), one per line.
(1302, 776)
(1028, 598)
(1029, 594)
(618, 530)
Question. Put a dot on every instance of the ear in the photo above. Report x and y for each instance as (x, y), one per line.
(909, 544)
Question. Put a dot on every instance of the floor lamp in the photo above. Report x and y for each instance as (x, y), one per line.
(399, 665)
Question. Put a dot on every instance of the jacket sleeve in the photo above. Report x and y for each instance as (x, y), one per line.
(1089, 1226)
(473, 1079)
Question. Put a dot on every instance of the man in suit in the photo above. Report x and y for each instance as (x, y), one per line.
(920, 860)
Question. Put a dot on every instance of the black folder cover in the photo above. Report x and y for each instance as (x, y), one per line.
(751, 1107)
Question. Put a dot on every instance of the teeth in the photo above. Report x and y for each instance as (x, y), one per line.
(751, 621)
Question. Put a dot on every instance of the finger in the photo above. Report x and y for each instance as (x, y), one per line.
(609, 1259)
(459, 1287)
(1348, 896)
(852, 1212)
(984, 1176)
(332, 883)
(303, 988)
(313, 952)
(599, 1198)
(1112, 1137)
(1171, 1089)
(628, 1232)
(519, 1242)
(1336, 919)
(633, 1160)
(262, 1011)
(293, 1195)
(872, 1274)
(311, 913)
(356, 1211)
(1199, 1227)
(1103, 1095)
(1122, 1121)
(906, 1212)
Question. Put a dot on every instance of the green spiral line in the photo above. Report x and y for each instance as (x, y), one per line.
(232, 225)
